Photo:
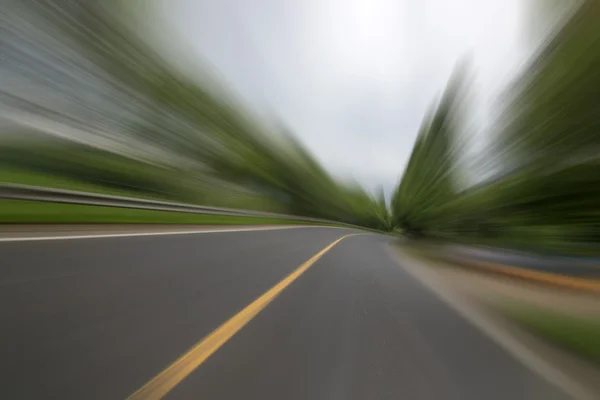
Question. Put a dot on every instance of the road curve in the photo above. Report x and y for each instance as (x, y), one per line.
(99, 318)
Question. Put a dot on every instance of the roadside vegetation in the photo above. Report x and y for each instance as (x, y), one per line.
(34, 212)
(541, 190)
(573, 333)
(108, 113)
(536, 186)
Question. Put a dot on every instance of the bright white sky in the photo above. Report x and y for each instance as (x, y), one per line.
(352, 78)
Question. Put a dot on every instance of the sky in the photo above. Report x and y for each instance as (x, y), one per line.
(351, 78)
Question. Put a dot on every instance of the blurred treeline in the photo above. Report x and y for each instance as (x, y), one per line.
(544, 190)
(86, 99)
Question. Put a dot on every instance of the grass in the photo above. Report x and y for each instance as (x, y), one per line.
(26, 177)
(576, 334)
(18, 211)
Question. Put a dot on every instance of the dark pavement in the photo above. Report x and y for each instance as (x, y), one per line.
(98, 318)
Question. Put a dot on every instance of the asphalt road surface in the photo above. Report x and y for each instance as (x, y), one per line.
(104, 318)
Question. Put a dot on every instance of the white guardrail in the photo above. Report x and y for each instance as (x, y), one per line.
(52, 195)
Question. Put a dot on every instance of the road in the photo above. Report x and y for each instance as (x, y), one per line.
(99, 318)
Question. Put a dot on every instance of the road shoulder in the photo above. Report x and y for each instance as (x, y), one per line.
(465, 294)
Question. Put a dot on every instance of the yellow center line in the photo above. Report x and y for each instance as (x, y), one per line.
(165, 381)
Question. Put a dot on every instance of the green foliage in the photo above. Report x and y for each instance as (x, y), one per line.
(552, 111)
(211, 150)
(546, 194)
(579, 335)
(15, 211)
(427, 184)
(84, 164)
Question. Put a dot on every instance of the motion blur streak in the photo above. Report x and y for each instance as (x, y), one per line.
(86, 103)
(107, 138)
(526, 210)
(543, 187)
(160, 385)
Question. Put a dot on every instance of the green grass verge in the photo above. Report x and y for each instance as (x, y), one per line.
(579, 335)
(18, 211)
(25, 177)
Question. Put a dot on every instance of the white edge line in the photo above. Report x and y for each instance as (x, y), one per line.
(135, 234)
(519, 351)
